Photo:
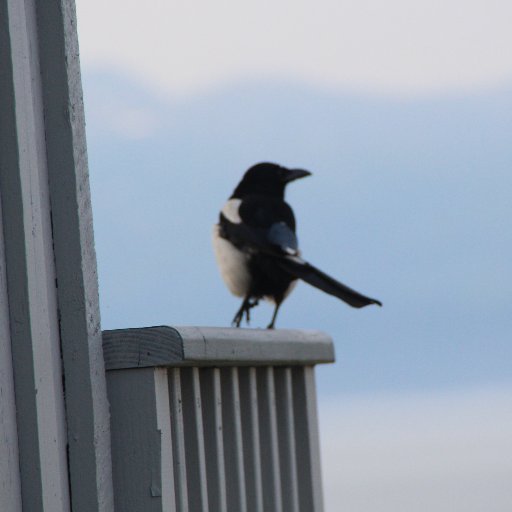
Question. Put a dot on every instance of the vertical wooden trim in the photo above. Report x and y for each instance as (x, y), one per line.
(286, 434)
(30, 267)
(194, 440)
(270, 464)
(251, 438)
(307, 441)
(213, 440)
(10, 485)
(75, 259)
(43, 177)
(178, 439)
(233, 442)
(163, 421)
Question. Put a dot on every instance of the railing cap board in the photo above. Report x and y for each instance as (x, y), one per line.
(214, 346)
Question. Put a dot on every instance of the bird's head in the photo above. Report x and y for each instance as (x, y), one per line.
(269, 179)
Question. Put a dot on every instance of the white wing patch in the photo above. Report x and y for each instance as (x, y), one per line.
(230, 211)
(290, 251)
(296, 259)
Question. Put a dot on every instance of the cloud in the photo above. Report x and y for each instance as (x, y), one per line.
(445, 451)
(121, 117)
(396, 46)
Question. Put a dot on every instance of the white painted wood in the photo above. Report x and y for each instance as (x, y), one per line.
(269, 441)
(178, 440)
(211, 396)
(30, 269)
(75, 259)
(163, 420)
(194, 440)
(286, 434)
(215, 439)
(140, 446)
(50, 263)
(249, 345)
(251, 438)
(214, 346)
(10, 486)
(233, 442)
(307, 440)
(268, 431)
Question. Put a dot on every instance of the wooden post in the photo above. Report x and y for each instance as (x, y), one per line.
(210, 419)
(49, 294)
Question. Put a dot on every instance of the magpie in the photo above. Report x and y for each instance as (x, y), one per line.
(256, 247)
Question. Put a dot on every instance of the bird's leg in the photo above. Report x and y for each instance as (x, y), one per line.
(248, 309)
(240, 313)
(271, 324)
(246, 306)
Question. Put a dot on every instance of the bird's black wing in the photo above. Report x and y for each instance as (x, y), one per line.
(268, 226)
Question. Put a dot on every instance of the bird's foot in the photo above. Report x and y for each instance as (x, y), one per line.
(250, 304)
(236, 321)
(244, 309)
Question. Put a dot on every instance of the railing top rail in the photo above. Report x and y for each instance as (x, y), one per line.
(214, 346)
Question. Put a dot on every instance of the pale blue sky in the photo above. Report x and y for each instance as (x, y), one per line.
(405, 118)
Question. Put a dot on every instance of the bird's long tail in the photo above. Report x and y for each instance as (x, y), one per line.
(315, 277)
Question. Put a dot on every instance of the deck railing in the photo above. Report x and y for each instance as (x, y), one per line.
(211, 419)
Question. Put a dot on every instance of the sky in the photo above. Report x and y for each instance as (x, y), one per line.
(403, 112)
(394, 47)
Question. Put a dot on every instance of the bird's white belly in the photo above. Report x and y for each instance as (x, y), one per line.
(232, 264)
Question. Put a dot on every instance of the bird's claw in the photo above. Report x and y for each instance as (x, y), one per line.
(246, 308)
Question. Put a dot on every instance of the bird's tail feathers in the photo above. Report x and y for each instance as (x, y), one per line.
(315, 277)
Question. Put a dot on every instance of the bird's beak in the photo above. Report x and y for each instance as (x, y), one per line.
(294, 174)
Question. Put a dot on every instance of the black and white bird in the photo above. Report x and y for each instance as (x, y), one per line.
(256, 246)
